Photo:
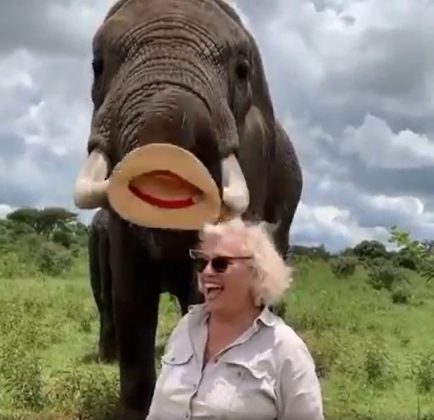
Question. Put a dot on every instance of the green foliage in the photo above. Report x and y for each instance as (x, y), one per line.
(12, 266)
(45, 221)
(62, 237)
(40, 242)
(423, 373)
(405, 259)
(368, 250)
(49, 331)
(383, 274)
(301, 265)
(21, 371)
(323, 349)
(421, 254)
(343, 267)
(52, 260)
(315, 252)
(280, 309)
(401, 294)
(377, 365)
(86, 392)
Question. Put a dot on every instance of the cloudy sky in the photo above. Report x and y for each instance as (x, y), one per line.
(352, 80)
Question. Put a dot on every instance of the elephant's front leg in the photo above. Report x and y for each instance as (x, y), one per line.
(135, 299)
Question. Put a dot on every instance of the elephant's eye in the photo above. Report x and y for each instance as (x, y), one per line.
(242, 70)
(98, 66)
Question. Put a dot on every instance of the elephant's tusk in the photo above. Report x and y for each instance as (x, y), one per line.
(91, 185)
(235, 191)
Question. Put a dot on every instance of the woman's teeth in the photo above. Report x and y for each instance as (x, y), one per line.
(212, 290)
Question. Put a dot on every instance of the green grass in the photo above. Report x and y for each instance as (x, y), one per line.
(371, 354)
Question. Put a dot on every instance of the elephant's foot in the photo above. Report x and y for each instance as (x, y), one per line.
(107, 354)
(108, 347)
(124, 413)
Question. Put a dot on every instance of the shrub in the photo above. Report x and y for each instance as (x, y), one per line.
(21, 372)
(405, 259)
(401, 294)
(53, 260)
(12, 266)
(323, 350)
(423, 373)
(89, 392)
(382, 274)
(62, 238)
(377, 365)
(343, 267)
(367, 250)
(301, 264)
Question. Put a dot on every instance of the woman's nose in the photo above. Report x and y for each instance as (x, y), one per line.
(208, 271)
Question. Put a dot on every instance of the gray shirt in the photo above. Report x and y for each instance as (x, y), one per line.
(265, 374)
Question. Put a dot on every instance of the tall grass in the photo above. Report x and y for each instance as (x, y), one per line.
(374, 355)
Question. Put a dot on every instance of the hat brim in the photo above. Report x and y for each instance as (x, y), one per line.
(144, 210)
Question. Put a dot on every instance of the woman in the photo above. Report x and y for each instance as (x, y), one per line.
(231, 357)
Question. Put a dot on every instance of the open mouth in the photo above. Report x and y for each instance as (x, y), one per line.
(165, 189)
(212, 291)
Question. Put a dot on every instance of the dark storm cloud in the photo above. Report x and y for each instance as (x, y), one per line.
(11, 146)
(45, 26)
(39, 176)
(353, 82)
(17, 194)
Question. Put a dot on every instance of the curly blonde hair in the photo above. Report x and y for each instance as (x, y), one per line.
(272, 276)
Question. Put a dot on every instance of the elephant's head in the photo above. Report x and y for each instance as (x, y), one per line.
(179, 71)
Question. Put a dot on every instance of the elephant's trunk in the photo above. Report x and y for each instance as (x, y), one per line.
(205, 127)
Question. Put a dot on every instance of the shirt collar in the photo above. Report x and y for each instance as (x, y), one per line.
(267, 317)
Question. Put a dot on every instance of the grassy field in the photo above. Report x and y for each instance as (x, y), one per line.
(375, 357)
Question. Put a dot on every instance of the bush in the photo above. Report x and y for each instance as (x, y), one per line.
(22, 375)
(53, 260)
(343, 267)
(12, 266)
(86, 392)
(405, 259)
(382, 274)
(377, 366)
(301, 264)
(367, 250)
(401, 294)
(423, 373)
(62, 238)
(324, 351)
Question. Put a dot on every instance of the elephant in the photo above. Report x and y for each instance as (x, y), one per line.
(101, 284)
(189, 73)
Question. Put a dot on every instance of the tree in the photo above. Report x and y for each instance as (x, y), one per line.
(421, 254)
(368, 250)
(45, 221)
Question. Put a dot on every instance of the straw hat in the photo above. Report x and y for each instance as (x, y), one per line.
(164, 186)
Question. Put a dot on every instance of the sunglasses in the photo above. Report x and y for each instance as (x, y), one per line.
(219, 263)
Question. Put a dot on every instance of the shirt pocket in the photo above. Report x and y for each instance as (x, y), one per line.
(255, 390)
(178, 369)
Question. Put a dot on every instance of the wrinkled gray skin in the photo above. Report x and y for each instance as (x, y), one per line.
(184, 71)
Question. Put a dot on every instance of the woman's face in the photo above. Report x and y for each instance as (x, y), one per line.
(226, 279)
